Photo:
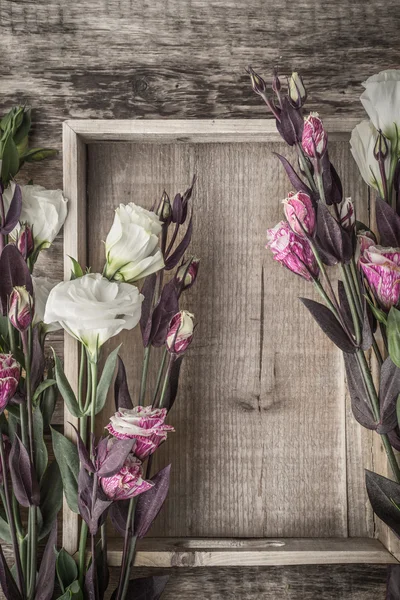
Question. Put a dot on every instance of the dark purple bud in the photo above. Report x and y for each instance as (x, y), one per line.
(381, 148)
(164, 209)
(257, 82)
(25, 242)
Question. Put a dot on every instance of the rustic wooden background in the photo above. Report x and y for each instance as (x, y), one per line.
(186, 59)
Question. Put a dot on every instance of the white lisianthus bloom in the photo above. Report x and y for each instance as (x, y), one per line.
(44, 210)
(93, 309)
(42, 287)
(381, 100)
(132, 244)
(362, 142)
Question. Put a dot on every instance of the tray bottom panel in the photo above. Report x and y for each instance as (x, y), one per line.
(203, 552)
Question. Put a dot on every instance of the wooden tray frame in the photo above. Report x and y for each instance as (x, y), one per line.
(170, 552)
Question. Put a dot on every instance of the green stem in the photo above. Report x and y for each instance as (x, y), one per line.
(81, 377)
(325, 297)
(166, 380)
(132, 548)
(306, 168)
(353, 308)
(11, 522)
(93, 377)
(145, 370)
(82, 551)
(321, 190)
(159, 376)
(129, 524)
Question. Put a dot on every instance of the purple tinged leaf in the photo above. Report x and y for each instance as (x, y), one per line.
(384, 496)
(46, 576)
(121, 392)
(145, 319)
(145, 588)
(388, 224)
(331, 238)
(291, 124)
(25, 485)
(115, 458)
(166, 308)
(101, 505)
(177, 209)
(8, 585)
(173, 383)
(85, 487)
(329, 325)
(394, 438)
(149, 503)
(345, 306)
(389, 389)
(336, 195)
(393, 582)
(119, 516)
(358, 393)
(14, 212)
(90, 583)
(366, 333)
(13, 272)
(83, 453)
(294, 178)
(176, 256)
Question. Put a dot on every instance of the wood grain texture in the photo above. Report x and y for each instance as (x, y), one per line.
(118, 59)
(259, 417)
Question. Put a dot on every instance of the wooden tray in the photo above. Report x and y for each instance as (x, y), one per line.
(268, 462)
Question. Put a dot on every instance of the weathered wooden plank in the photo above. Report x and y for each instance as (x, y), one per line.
(262, 374)
(184, 552)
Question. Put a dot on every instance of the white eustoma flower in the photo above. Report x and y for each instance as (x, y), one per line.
(381, 100)
(93, 309)
(42, 287)
(132, 244)
(362, 142)
(44, 210)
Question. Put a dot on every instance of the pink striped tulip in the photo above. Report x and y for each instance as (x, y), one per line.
(144, 425)
(180, 333)
(315, 138)
(300, 213)
(128, 482)
(292, 251)
(381, 267)
(9, 377)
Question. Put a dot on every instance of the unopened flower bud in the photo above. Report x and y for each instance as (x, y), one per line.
(21, 308)
(347, 214)
(25, 242)
(300, 213)
(9, 377)
(297, 91)
(276, 84)
(180, 332)
(257, 82)
(292, 251)
(381, 148)
(315, 138)
(187, 273)
(164, 210)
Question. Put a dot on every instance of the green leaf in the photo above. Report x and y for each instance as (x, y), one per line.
(51, 495)
(36, 154)
(41, 387)
(379, 314)
(65, 389)
(106, 379)
(67, 458)
(10, 164)
(24, 127)
(5, 534)
(76, 270)
(66, 568)
(393, 335)
(7, 119)
(41, 456)
(48, 401)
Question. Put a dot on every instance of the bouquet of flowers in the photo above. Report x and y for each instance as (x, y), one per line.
(321, 232)
(146, 273)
